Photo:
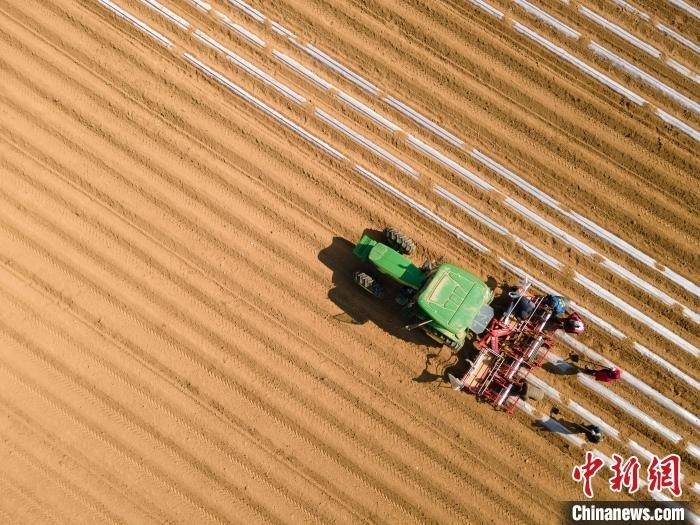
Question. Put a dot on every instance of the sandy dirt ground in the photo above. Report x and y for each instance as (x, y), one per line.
(175, 271)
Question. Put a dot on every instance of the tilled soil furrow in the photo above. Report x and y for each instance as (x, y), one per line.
(218, 343)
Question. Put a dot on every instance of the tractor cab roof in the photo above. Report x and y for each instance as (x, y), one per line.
(456, 299)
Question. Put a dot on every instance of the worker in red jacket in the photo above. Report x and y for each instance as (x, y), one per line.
(604, 375)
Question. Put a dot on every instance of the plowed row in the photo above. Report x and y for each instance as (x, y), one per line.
(173, 263)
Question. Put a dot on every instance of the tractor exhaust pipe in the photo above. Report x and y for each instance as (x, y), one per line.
(413, 326)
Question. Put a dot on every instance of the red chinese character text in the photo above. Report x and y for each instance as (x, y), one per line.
(584, 473)
(625, 474)
(665, 474)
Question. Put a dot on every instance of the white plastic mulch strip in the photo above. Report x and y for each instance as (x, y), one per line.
(421, 209)
(666, 365)
(248, 10)
(629, 408)
(539, 254)
(629, 7)
(683, 70)
(592, 418)
(302, 70)
(368, 112)
(250, 68)
(548, 19)
(693, 450)
(201, 5)
(141, 26)
(636, 383)
(630, 250)
(550, 391)
(644, 76)
(488, 8)
(636, 314)
(629, 276)
(515, 179)
(551, 425)
(340, 69)
(578, 63)
(678, 37)
(424, 121)
(262, 106)
(167, 13)
(360, 139)
(248, 35)
(501, 170)
(524, 275)
(281, 30)
(622, 33)
(448, 162)
(470, 210)
(681, 4)
(549, 227)
(677, 123)
(602, 323)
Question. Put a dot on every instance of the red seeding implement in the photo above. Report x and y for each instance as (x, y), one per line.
(512, 346)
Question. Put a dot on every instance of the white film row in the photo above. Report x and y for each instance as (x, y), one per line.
(449, 163)
(634, 447)
(488, 221)
(420, 209)
(250, 68)
(168, 14)
(579, 64)
(629, 408)
(644, 76)
(633, 381)
(301, 70)
(368, 112)
(366, 143)
(263, 107)
(685, 6)
(494, 166)
(247, 35)
(201, 5)
(630, 310)
(599, 290)
(411, 113)
(249, 10)
(488, 8)
(341, 69)
(141, 26)
(619, 31)
(547, 226)
(683, 70)
(548, 19)
(678, 37)
(550, 228)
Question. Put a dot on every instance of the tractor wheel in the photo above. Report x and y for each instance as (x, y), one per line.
(398, 241)
(369, 283)
(455, 346)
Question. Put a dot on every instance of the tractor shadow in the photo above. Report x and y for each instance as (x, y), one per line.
(356, 305)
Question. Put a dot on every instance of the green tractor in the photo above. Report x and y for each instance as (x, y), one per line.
(444, 301)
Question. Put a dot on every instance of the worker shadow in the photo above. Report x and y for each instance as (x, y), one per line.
(356, 305)
(564, 426)
(561, 368)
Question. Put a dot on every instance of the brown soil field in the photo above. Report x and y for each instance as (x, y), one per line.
(175, 271)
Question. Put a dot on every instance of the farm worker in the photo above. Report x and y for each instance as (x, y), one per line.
(573, 324)
(558, 305)
(604, 375)
(593, 433)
